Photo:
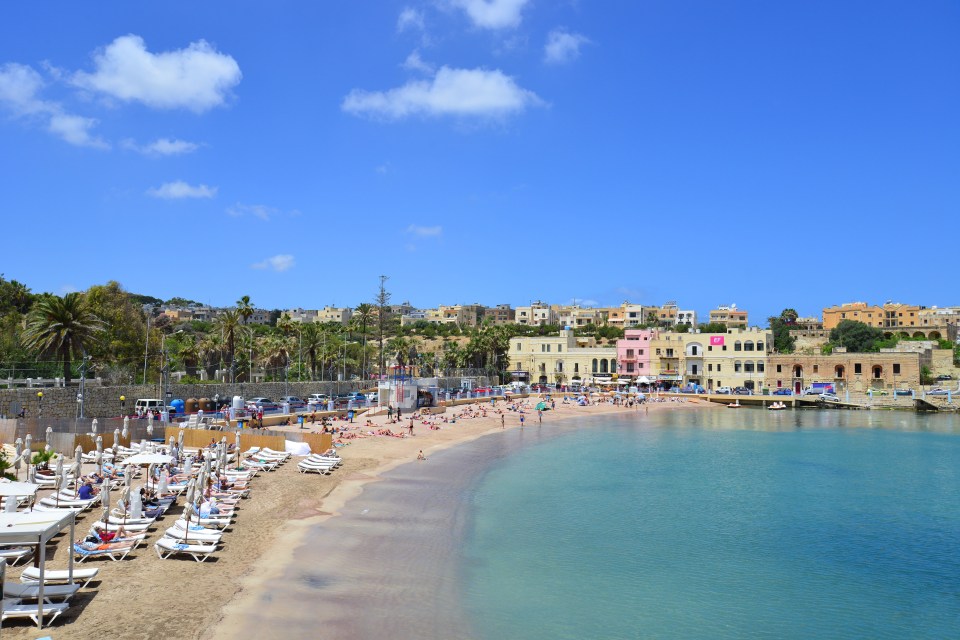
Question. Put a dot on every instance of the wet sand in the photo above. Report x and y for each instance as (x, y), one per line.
(388, 564)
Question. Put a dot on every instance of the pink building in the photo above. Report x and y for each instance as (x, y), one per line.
(633, 353)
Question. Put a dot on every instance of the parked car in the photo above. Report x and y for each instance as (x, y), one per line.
(723, 390)
(877, 392)
(783, 391)
(294, 402)
(318, 398)
(944, 376)
(813, 391)
(902, 392)
(692, 388)
(263, 403)
(829, 397)
(742, 391)
(937, 392)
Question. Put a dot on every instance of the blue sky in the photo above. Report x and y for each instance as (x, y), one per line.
(769, 154)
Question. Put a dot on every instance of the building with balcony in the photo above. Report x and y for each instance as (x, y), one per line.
(634, 356)
(737, 358)
(729, 315)
(560, 359)
(537, 314)
(500, 314)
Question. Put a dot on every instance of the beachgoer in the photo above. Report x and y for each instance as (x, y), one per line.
(86, 491)
(420, 456)
(521, 421)
(411, 426)
(503, 422)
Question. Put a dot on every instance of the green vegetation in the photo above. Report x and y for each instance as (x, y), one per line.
(783, 342)
(857, 337)
(926, 376)
(5, 466)
(713, 327)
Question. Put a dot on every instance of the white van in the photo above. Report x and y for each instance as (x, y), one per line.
(145, 405)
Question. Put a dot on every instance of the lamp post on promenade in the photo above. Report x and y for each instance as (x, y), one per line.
(39, 405)
(123, 403)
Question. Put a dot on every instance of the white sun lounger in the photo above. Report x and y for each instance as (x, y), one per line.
(114, 554)
(13, 555)
(53, 576)
(178, 534)
(166, 547)
(100, 525)
(32, 591)
(310, 468)
(14, 609)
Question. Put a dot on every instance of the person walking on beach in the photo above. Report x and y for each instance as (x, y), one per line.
(398, 414)
(540, 416)
(503, 422)
(411, 426)
(389, 413)
(521, 420)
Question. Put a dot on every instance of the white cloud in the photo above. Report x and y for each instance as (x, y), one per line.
(425, 232)
(415, 63)
(179, 189)
(410, 18)
(261, 211)
(162, 147)
(20, 86)
(278, 263)
(563, 46)
(492, 14)
(383, 169)
(197, 78)
(451, 92)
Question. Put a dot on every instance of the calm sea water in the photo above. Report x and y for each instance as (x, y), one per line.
(720, 524)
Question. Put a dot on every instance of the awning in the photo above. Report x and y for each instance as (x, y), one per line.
(644, 380)
(147, 459)
(670, 376)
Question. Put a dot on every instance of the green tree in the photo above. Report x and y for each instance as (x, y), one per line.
(245, 308)
(783, 342)
(125, 330)
(229, 323)
(383, 320)
(857, 337)
(713, 327)
(64, 327)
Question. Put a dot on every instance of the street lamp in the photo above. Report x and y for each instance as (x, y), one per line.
(39, 405)
(123, 404)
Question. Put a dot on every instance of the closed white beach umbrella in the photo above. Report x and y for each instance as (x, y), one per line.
(10, 507)
(31, 474)
(46, 447)
(60, 478)
(105, 497)
(99, 459)
(126, 426)
(93, 426)
(150, 425)
(116, 441)
(18, 447)
(180, 439)
(136, 504)
(28, 445)
(78, 453)
(163, 483)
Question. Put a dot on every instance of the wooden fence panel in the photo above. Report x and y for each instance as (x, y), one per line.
(319, 442)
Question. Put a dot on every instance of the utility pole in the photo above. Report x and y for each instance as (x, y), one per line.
(146, 350)
(383, 298)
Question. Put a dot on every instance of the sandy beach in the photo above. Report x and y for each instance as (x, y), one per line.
(144, 597)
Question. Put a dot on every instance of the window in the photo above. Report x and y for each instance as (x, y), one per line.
(737, 367)
(737, 346)
(595, 365)
(629, 353)
(559, 348)
(658, 351)
(710, 347)
(641, 352)
(760, 367)
(779, 368)
(710, 367)
(519, 346)
(816, 368)
(759, 346)
(718, 370)
(693, 350)
(576, 367)
(748, 345)
(748, 367)
(896, 367)
(857, 368)
(629, 367)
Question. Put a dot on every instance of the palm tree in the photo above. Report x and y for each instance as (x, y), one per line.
(229, 323)
(63, 327)
(362, 316)
(189, 353)
(245, 308)
(210, 350)
(312, 337)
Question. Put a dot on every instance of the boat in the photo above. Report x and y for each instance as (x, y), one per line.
(734, 405)
(777, 406)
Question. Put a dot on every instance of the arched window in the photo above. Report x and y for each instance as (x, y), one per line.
(838, 371)
(760, 366)
(759, 346)
(603, 366)
(797, 371)
(737, 366)
(595, 365)
(748, 345)
(559, 366)
(877, 372)
(613, 364)
(748, 366)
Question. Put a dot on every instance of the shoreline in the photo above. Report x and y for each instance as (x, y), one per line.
(274, 562)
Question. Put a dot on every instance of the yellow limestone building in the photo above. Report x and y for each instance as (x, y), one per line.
(737, 358)
(562, 359)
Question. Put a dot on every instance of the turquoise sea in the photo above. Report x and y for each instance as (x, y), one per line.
(688, 523)
(719, 524)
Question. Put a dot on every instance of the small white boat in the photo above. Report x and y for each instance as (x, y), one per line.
(734, 405)
(777, 406)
